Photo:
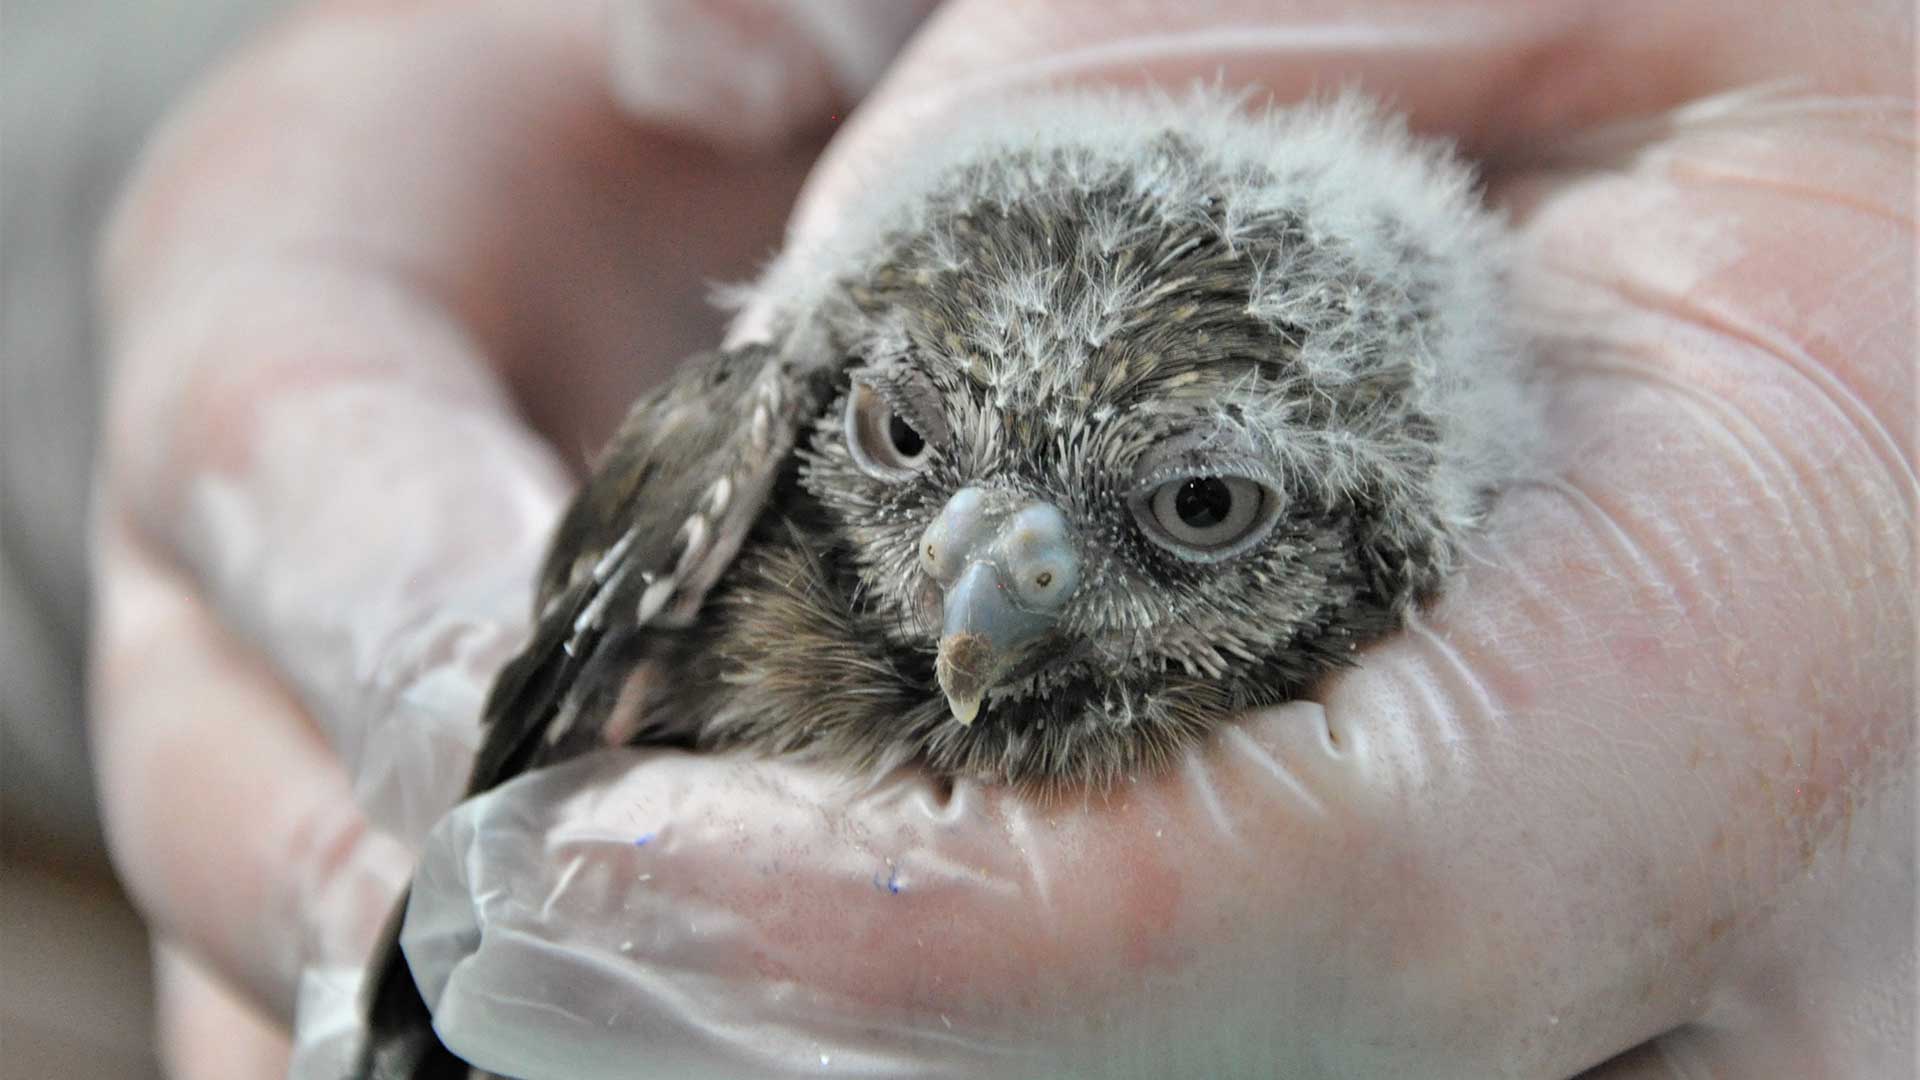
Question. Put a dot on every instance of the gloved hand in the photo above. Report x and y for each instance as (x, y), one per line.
(1643, 774)
(354, 274)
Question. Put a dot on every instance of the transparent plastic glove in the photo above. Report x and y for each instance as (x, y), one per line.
(1645, 771)
(352, 270)
(1642, 779)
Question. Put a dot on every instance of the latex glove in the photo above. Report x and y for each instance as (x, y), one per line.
(1644, 774)
(1559, 820)
(352, 270)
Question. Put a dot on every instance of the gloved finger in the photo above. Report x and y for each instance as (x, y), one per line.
(207, 1031)
(230, 821)
(315, 285)
(756, 72)
(1507, 78)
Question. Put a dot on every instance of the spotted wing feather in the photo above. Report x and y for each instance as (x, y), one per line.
(656, 525)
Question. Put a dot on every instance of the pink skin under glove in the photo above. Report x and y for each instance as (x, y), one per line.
(1643, 774)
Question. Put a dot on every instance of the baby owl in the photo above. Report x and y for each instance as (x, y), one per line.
(1107, 418)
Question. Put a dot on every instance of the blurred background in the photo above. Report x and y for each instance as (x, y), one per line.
(81, 84)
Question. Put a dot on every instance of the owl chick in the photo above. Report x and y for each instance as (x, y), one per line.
(1110, 419)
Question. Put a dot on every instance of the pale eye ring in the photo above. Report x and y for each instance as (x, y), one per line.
(882, 441)
(1205, 517)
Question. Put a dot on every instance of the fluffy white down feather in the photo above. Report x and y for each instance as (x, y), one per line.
(1363, 184)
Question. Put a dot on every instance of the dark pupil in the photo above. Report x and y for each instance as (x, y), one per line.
(1203, 502)
(905, 439)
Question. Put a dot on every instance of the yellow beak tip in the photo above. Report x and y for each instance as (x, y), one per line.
(964, 709)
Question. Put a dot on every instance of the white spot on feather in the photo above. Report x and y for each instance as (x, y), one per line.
(760, 429)
(653, 599)
(719, 496)
(693, 544)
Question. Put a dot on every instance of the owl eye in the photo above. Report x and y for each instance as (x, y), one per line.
(883, 442)
(1208, 518)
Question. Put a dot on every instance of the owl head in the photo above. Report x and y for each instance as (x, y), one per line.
(1158, 406)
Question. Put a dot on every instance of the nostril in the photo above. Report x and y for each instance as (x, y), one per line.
(1044, 583)
(962, 527)
(1035, 548)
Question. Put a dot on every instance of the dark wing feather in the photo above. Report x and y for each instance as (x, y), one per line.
(656, 525)
(659, 521)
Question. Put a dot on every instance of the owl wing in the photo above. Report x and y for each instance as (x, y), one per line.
(659, 521)
(656, 525)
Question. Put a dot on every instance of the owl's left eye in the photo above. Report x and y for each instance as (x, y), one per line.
(1207, 518)
(884, 442)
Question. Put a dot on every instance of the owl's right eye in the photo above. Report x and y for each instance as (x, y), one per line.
(883, 442)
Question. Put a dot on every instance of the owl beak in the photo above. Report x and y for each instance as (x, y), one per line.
(963, 666)
(1005, 577)
(985, 634)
